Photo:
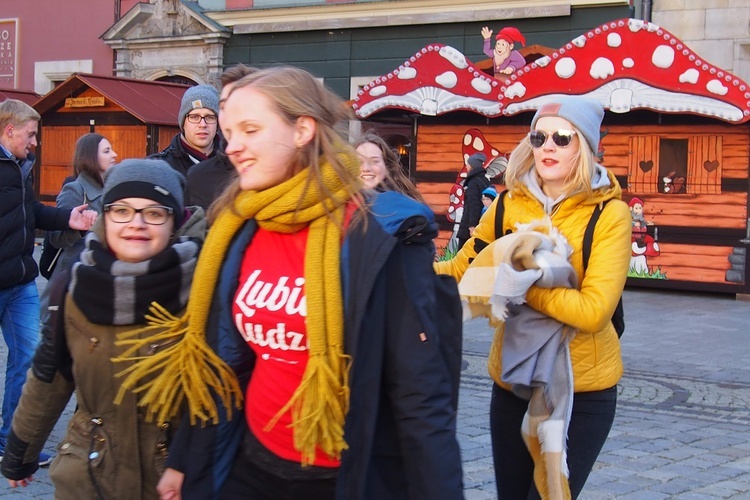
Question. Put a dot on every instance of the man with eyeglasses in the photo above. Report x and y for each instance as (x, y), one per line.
(198, 120)
(207, 180)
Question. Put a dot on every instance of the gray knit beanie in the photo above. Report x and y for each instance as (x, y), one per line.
(585, 114)
(198, 97)
(151, 179)
(476, 161)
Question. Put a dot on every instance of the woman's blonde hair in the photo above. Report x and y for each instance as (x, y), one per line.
(522, 160)
(294, 93)
(395, 179)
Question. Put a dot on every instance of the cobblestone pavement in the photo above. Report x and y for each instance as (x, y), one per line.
(682, 429)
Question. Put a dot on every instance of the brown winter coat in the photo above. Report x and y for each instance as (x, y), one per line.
(127, 454)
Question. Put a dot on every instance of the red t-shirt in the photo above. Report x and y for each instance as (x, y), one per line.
(269, 310)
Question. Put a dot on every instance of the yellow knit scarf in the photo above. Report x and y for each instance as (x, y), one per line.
(189, 370)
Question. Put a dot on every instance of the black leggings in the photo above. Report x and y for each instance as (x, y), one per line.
(593, 414)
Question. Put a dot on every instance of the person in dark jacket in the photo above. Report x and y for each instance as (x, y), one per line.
(476, 182)
(145, 247)
(198, 119)
(209, 178)
(20, 216)
(319, 308)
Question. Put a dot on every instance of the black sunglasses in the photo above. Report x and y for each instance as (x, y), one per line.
(562, 138)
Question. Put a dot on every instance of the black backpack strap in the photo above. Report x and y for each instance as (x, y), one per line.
(499, 214)
(588, 236)
(618, 317)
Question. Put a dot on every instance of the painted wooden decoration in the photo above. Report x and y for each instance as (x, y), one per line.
(686, 184)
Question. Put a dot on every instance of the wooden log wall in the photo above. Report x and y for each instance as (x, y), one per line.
(701, 263)
(717, 172)
(59, 145)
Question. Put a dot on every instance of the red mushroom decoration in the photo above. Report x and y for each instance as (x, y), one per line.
(438, 79)
(630, 64)
(474, 142)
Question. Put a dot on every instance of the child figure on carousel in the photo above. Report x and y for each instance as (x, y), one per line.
(505, 60)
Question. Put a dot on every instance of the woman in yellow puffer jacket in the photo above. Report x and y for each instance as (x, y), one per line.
(552, 175)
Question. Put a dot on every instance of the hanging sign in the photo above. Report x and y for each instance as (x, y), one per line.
(8, 52)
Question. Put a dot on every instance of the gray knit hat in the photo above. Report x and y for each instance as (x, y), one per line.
(476, 161)
(585, 114)
(198, 97)
(151, 179)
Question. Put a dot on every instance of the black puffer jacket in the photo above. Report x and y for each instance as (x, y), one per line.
(177, 156)
(20, 215)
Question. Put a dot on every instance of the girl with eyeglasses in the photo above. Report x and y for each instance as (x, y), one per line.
(553, 176)
(138, 260)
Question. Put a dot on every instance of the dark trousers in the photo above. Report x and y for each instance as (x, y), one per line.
(593, 414)
(249, 482)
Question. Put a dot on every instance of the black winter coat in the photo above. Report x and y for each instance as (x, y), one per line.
(401, 423)
(177, 157)
(476, 182)
(20, 215)
(208, 179)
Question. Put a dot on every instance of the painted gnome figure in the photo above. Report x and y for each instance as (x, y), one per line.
(505, 60)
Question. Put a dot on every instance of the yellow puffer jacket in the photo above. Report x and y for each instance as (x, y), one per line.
(595, 349)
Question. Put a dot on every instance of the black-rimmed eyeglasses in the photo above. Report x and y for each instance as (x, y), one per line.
(209, 119)
(155, 215)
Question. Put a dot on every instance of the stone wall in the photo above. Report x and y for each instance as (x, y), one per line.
(717, 30)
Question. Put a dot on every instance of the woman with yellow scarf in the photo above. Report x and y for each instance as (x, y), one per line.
(307, 362)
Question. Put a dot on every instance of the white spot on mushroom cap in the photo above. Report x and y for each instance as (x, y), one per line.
(663, 56)
(620, 100)
(478, 144)
(635, 25)
(378, 91)
(716, 87)
(516, 90)
(543, 61)
(429, 107)
(407, 73)
(614, 40)
(689, 76)
(447, 79)
(467, 139)
(602, 68)
(580, 41)
(481, 85)
(454, 57)
(628, 62)
(565, 67)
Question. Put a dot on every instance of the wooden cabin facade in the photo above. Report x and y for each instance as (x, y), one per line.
(138, 118)
(682, 159)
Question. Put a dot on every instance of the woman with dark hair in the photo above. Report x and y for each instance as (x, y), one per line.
(93, 156)
(380, 166)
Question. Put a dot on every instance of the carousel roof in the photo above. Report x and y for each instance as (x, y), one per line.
(625, 64)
